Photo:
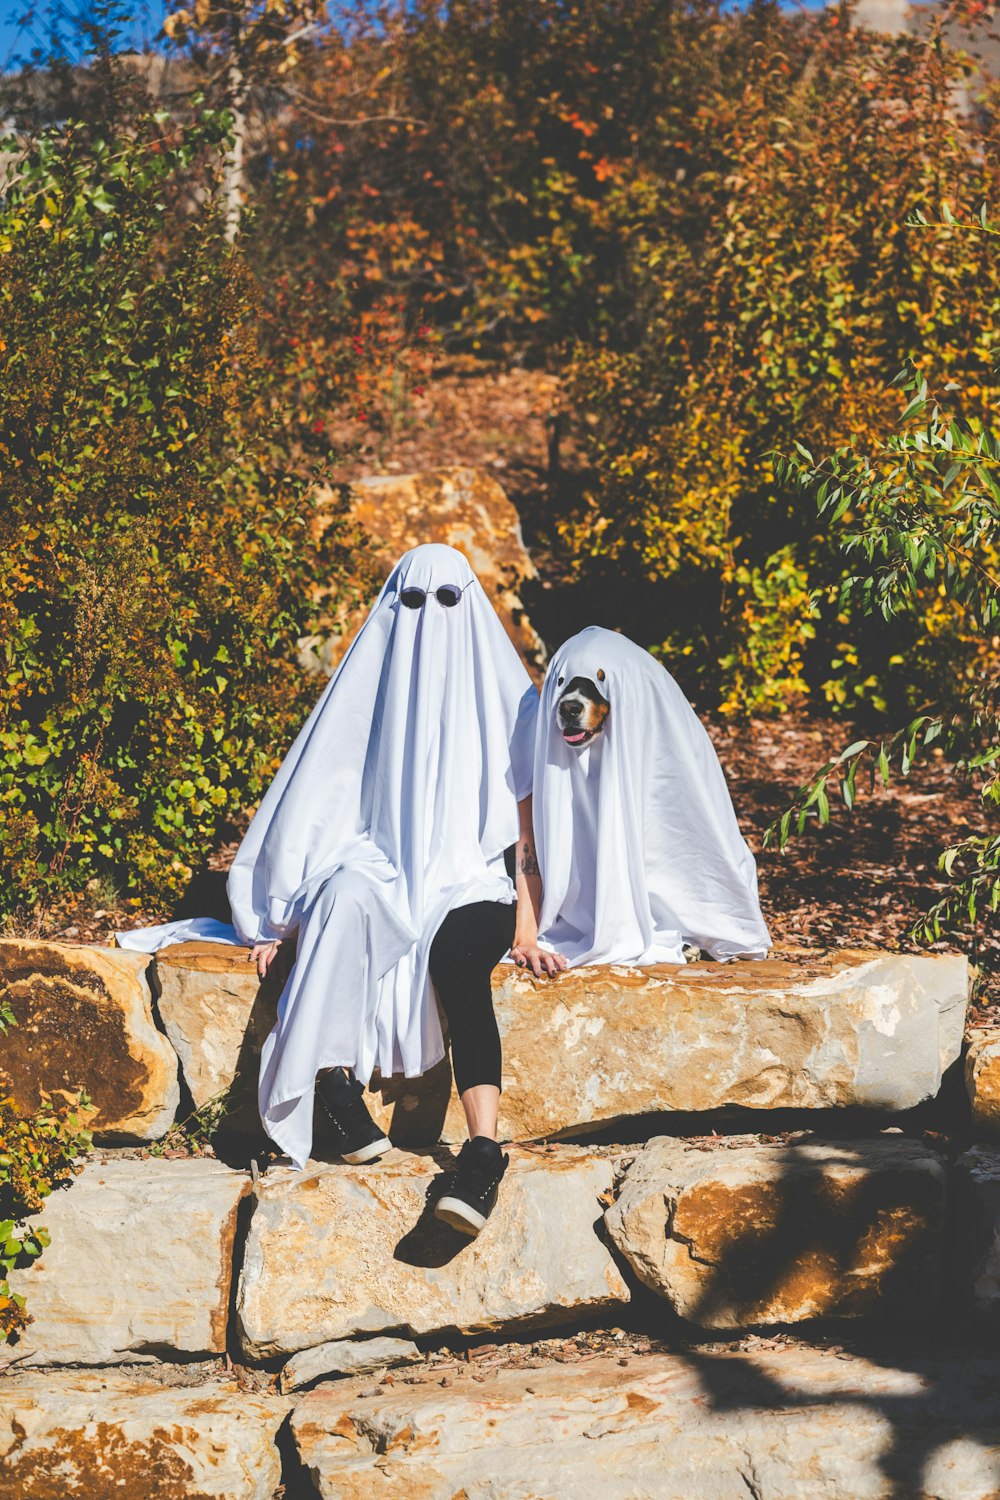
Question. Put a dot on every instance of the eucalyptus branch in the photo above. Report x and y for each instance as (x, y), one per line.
(876, 756)
(976, 891)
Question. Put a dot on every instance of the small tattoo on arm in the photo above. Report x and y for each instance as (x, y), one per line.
(529, 864)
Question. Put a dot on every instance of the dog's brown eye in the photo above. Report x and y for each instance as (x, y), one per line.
(560, 681)
(600, 674)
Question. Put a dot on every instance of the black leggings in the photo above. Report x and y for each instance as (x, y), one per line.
(469, 943)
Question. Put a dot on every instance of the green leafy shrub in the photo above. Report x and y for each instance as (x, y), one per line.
(699, 213)
(38, 1152)
(160, 551)
(780, 292)
(917, 516)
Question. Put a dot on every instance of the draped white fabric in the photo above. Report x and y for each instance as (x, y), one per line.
(393, 806)
(638, 844)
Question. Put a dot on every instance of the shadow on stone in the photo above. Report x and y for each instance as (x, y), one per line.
(431, 1242)
(240, 1133)
(754, 1263)
(296, 1482)
(419, 1105)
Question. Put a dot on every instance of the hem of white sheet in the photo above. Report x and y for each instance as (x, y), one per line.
(755, 955)
(300, 1166)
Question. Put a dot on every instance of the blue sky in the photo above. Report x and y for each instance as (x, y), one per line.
(25, 24)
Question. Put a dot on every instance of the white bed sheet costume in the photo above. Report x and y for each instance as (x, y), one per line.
(394, 805)
(637, 841)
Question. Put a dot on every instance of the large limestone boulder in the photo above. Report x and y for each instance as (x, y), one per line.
(85, 1436)
(464, 507)
(84, 1021)
(800, 1031)
(217, 1014)
(338, 1251)
(140, 1264)
(797, 1423)
(740, 1234)
(982, 1078)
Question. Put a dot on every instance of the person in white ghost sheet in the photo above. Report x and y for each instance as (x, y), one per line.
(395, 850)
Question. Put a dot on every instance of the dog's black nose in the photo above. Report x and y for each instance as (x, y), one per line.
(571, 710)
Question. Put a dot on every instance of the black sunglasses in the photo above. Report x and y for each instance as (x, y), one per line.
(448, 594)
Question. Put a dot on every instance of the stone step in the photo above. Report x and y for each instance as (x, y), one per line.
(589, 1049)
(84, 1021)
(610, 1044)
(140, 1265)
(96, 1435)
(793, 1423)
(338, 1251)
(739, 1234)
(732, 1234)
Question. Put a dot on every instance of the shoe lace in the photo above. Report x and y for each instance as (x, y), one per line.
(346, 1105)
(470, 1173)
(351, 1104)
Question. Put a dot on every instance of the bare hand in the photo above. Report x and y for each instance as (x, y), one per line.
(538, 960)
(263, 955)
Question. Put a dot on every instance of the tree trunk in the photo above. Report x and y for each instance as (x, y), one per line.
(232, 180)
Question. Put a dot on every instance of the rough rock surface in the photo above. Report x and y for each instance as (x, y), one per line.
(85, 1436)
(743, 1234)
(84, 1021)
(982, 1078)
(975, 1214)
(140, 1264)
(217, 1014)
(798, 1031)
(793, 1424)
(347, 1357)
(801, 1031)
(338, 1251)
(464, 507)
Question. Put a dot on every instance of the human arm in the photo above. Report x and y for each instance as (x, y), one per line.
(528, 883)
(278, 954)
(263, 955)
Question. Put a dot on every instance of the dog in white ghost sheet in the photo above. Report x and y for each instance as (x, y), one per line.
(637, 840)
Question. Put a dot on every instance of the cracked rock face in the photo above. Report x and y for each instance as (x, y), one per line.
(338, 1251)
(795, 1424)
(140, 1265)
(740, 1235)
(217, 1015)
(94, 1436)
(797, 1031)
(85, 1021)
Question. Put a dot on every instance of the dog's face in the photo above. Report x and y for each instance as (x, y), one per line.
(582, 710)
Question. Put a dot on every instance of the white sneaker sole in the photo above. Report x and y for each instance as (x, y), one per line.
(368, 1153)
(459, 1215)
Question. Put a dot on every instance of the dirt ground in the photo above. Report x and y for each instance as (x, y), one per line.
(862, 881)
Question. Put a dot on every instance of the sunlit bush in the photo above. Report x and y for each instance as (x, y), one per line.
(158, 553)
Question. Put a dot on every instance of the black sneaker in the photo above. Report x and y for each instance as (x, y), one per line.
(468, 1193)
(355, 1135)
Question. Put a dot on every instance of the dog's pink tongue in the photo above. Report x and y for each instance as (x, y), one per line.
(574, 739)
